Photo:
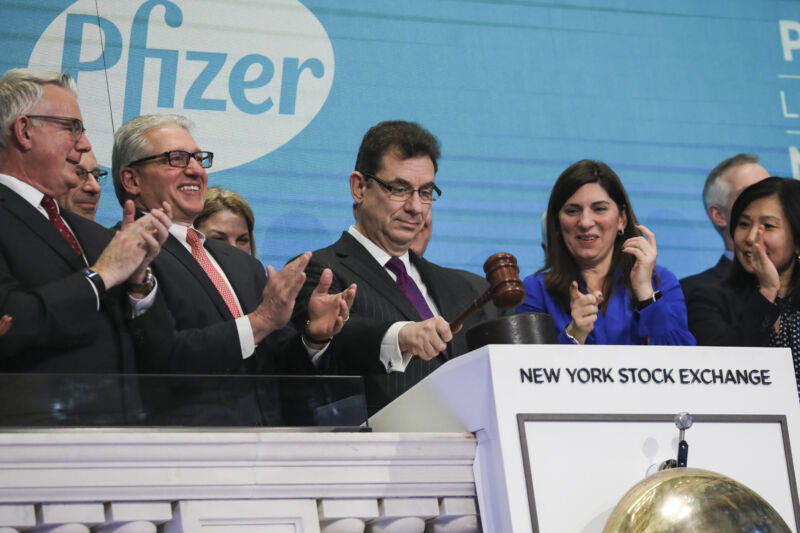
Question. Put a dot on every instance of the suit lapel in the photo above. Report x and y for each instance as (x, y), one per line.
(234, 271)
(176, 249)
(92, 247)
(39, 225)
(436, 285)
(357, 259)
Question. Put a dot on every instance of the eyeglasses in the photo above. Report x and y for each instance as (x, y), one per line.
(180, 158)
(76, 126)
(427, 194)
(99, 175)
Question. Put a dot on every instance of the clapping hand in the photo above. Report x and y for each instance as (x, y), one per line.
(327, 313)
(5, 324)
(277, 299)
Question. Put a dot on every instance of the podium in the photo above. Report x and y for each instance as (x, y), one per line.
(564, 431)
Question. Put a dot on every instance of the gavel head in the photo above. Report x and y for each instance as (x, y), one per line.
(502, 273)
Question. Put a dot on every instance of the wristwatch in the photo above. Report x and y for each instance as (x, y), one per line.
(95, 279)
(144, 287)
(311, 340)
(644, 303)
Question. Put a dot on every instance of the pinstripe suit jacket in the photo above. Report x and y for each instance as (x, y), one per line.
(378, 304)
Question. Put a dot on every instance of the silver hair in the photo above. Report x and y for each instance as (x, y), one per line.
(131, 144)
(715, 190)
(21, 89)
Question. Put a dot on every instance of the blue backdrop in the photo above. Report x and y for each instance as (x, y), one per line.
(515, 90)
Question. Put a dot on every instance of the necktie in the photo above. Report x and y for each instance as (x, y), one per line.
(55, 218)
(412, 292)
(409, 288)
(199, 253)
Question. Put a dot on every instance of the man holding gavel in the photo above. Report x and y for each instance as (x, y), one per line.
(398, 330)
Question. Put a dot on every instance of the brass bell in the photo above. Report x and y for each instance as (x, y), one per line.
(691, 499)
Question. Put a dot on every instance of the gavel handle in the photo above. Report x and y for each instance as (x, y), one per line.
(477, 304)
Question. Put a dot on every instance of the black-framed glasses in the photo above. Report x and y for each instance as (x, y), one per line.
(427, 193)
(76, 125)
(99, 175)
(179, 158)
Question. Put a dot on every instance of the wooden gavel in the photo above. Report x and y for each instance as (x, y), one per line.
(505, 288)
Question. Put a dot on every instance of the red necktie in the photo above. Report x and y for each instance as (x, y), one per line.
(199, 253)
(55, 218)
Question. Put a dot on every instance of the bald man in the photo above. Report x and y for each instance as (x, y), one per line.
(82, 200)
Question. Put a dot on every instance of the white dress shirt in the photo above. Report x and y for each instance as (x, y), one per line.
(390, 355)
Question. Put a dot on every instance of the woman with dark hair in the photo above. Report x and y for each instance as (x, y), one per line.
(600, 282)
(759, 304)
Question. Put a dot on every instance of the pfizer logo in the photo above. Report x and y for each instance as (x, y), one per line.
(251, 75)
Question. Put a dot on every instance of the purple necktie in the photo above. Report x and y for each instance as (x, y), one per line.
(411, 291)
(409, 288)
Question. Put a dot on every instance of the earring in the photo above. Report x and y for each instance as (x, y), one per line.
(620, 233)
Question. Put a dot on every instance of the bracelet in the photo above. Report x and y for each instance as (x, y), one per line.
(311, 339)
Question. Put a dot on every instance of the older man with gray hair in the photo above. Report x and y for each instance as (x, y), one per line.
(217, 301)
(63, 278)
(722, 187)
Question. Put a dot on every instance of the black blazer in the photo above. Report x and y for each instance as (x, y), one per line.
(722, 316)
(713, 276)
(57, 327)
(190, 328)
(378, 304)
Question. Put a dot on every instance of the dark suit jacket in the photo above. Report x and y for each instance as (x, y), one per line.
(378, 304)
(713, 276)
(190, 328)
(57, 327)
(722, 316)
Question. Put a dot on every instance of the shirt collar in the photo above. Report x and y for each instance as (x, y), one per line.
(28, 192)
(179, 231)
(379, 254)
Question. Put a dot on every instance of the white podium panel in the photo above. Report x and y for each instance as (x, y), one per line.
(564, 431)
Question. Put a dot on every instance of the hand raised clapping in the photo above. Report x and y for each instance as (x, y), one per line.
(327, 313)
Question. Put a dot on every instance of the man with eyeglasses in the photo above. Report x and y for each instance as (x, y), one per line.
(70, 286)
(398, 330)
(82, 200)
(218, 304)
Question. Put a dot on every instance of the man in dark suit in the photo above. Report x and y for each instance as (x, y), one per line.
(62, 277)
(721, 189)
(398, 329)
(218, 305)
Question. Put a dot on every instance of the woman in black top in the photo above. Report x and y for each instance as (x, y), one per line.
(759, 305)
